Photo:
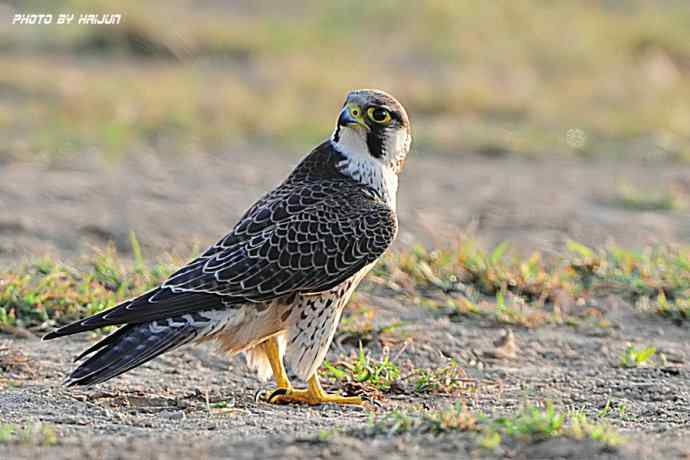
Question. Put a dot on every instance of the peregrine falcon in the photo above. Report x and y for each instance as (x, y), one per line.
(276, 285)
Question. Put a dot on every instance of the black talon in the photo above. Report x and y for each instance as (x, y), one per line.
(261, 395)
(365, 397)
(277, 392)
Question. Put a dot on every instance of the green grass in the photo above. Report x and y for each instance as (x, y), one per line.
(379, 374)
(528, 77)
(44, 293)
(454, 418)
(612, 409)
(635, 199)
(35, 434)
(632, 357)
(362, 373)
(463, 280)
(534, 423)
(447, 380)
(530, 424)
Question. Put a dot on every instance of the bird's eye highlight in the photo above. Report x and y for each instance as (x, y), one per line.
(379, 115)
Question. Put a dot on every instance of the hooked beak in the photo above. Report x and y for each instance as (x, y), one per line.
(351, 115)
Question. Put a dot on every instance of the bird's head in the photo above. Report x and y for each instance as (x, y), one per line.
(373, 126)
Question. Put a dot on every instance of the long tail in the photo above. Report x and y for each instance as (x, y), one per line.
(153, 323)
(130, 346)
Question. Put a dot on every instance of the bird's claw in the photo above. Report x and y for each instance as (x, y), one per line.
(266, 395)
(276, 393)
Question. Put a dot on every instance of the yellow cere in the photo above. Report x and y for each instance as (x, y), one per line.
(355, 111)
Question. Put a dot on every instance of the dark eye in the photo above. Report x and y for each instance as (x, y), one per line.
(379, 115)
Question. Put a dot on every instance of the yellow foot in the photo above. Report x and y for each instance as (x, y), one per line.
(292, 396)
(312, 395)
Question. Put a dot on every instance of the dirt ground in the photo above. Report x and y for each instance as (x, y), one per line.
(172, 204)
(161, 410)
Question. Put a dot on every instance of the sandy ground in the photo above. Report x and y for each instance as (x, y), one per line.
(160, 411)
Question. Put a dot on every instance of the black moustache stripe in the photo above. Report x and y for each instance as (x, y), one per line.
(375, 139)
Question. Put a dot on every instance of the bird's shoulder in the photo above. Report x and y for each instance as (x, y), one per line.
(315, 190)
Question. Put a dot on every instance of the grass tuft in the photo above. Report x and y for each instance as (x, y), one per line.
(46, 293)
(635, 199)
(633, 357)
(454, 418)
(530, 424)
(468, 281)
(34, 434)
(374, 377)
(366, 372)
(447, 380)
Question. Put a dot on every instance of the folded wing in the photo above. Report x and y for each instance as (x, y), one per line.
(277, 249)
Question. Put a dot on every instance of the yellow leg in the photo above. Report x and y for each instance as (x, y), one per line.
(312, 395)
(273, 353)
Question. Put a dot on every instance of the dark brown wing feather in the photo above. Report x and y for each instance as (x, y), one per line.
(310, 251)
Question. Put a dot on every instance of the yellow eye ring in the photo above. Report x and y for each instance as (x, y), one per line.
(379, 115)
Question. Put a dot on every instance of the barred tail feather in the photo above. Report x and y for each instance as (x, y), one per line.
(129, 347)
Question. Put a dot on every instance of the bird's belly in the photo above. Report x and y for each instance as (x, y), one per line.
(244, 327)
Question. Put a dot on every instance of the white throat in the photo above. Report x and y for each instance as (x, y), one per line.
(363, 167)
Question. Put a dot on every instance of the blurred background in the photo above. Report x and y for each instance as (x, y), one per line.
(534, 121)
